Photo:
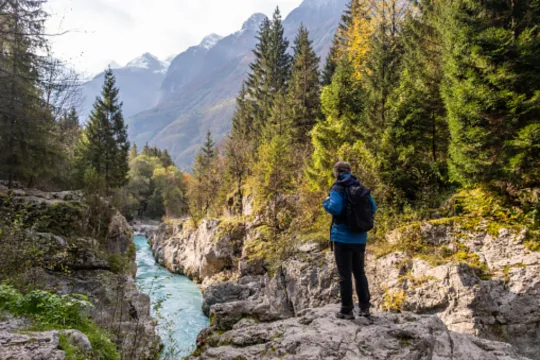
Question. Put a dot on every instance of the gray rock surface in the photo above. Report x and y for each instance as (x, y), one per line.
(500, 303)
(16, 344)
(200, 253)
(317, 334)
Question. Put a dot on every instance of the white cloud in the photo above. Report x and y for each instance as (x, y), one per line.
(101, 31)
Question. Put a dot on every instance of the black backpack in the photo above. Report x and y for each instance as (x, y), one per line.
(358, 212)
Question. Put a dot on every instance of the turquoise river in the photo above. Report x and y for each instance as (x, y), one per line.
(176, 303)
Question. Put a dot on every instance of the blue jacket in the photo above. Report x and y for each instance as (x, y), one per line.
(336, 203)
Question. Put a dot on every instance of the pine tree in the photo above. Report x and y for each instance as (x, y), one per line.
(342, 107)
(382, 68)
(238, 150)
(276, 168)
(304, 87)
(491, 89)
(27, 128)
(416, 143)
(270, 71)
(330, 65)
(105, 147)
(241, 121)
(205, 181)
(340, 42)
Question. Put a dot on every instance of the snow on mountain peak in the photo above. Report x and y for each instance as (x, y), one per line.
(254, 22)
(210, 41)
(147, 61)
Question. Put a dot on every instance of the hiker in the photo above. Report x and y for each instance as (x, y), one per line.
(352, 208)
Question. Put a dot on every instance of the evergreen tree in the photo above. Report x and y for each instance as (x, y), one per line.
(304, 87)
(276, 168)
(105, 146)
(342, 107)
(330, 65)
(416, 143)
(238, 150)
(241, 121)
(205, 181)
(270, 71)
(491, 89)
(27, 128)
(339, 44)
(381, 71)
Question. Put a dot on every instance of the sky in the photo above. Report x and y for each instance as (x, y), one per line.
(101, 31)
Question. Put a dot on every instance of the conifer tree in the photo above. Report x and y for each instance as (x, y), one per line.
(27, 127)
(342, 108)
(340, 43)
(330, 65)
(270, 71)
(238, 150)
(304, 87)
(204, 184)
(416, 143)
(276, 168)
(105, 147)
(381, 72)
(491, 88)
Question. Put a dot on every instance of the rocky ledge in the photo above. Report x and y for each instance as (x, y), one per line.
(477, 283)
(318, 334)
(66, 244)
(32, 345)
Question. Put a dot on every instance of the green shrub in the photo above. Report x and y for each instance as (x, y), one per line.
(58, 312)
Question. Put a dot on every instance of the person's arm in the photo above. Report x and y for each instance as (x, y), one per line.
(373, 205)
(334, 203)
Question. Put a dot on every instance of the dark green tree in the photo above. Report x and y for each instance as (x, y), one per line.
(105, 146)
(414, 158)
(304, 88)
(27, 128)
(270, 71)
(382, 69)
(205, 180)
(491, 89)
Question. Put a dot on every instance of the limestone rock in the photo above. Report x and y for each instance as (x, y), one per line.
(317, 334)
(30, 345)
(200, 253)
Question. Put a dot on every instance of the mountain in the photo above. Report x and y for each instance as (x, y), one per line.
(199, 89)
(139, 82)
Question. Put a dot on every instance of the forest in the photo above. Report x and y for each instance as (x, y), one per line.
(435, 104)
(427, 100)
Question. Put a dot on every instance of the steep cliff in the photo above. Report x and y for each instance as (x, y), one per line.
(65, 244)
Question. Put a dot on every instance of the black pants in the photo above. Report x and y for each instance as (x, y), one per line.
(350, 260)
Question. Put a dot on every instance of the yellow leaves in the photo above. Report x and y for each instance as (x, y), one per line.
(359, 35)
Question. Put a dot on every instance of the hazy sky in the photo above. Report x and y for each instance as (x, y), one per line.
(101, 31)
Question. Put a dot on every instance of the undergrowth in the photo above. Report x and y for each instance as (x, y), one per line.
(59, 312)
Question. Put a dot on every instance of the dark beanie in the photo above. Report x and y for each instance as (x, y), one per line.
(341, 168)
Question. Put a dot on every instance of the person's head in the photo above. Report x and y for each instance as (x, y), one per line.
(341, 168)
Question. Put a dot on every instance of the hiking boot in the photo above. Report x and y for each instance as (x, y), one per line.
(364, 313)
(345, 316)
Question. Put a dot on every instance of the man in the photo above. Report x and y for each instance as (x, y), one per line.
(349, 246)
